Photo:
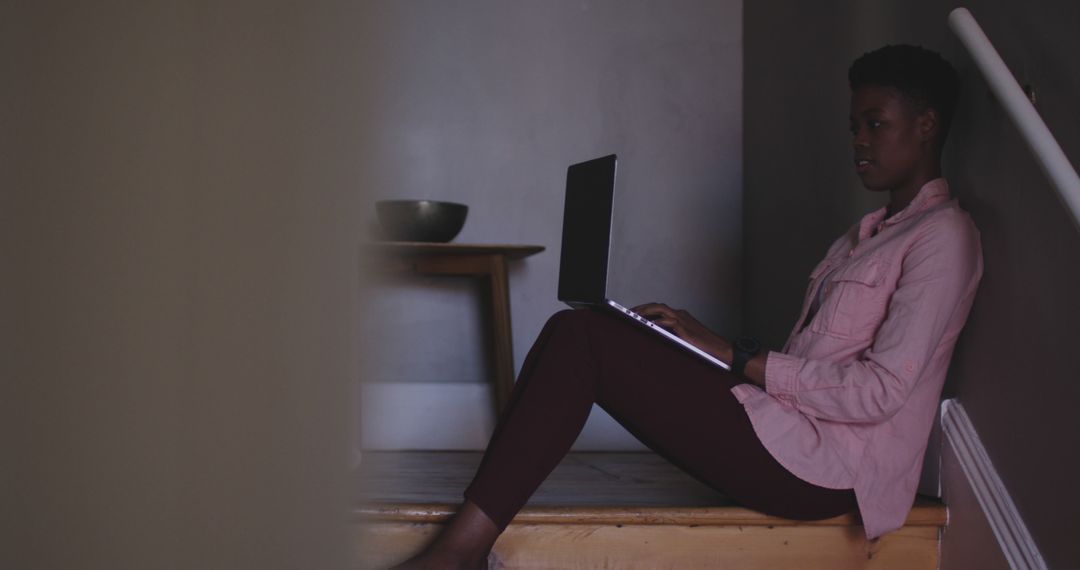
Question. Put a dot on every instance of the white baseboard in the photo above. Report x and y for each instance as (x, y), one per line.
(1012, 534)
(454, 416)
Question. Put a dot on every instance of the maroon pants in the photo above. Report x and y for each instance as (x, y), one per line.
(675, 403)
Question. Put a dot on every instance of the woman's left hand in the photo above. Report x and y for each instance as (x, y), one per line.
(686, 327)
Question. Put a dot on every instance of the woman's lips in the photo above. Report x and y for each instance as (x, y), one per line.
(863, 164)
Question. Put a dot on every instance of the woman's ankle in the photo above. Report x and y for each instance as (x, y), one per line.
(465, 542)
(470, 535)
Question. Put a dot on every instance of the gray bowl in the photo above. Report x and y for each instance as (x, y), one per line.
(420, 220)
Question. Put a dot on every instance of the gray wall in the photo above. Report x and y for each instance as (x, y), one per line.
(1013, 369)
(178, 233)
(488, 102)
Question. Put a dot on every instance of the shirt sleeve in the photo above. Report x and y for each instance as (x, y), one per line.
(937, 279)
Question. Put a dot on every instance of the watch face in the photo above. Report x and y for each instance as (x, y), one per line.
(750, 345)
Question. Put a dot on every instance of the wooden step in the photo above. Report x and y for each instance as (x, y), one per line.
(620, 510)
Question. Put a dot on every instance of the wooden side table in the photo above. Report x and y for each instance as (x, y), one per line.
(473, 260)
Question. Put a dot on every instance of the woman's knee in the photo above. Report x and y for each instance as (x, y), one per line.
(567, 317)
(588, 323)
(571, 321)
(557, 322)
(588, 319)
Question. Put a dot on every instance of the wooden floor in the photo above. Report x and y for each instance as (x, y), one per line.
(626, 510)
(639, 479)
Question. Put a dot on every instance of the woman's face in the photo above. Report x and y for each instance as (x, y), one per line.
(890, 139)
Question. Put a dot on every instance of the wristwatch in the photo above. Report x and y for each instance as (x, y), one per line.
(744, 349)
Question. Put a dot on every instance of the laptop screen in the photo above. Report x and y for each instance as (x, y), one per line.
(586, 234)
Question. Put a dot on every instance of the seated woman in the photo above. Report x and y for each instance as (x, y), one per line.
(837, 420)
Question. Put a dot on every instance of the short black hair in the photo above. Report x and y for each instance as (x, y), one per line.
(920, 75)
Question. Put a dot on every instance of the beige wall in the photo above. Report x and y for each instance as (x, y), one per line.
(179, 230)
(1013, 369)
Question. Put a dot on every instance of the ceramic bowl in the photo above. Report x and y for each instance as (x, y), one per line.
(420, 220)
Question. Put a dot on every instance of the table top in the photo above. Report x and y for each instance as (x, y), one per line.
(429, 248)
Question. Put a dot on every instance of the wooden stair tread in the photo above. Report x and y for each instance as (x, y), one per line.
(586, 488)
(619, 510)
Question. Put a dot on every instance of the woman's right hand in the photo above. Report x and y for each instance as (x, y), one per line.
(685, 326)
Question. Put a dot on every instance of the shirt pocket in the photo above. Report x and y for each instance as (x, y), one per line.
(855, 300)
(812, 287)
(822, 268)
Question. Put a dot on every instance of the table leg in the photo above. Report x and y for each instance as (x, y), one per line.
(494, 268)
(503, 342)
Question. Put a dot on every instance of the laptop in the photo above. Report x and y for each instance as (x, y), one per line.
(586, 240)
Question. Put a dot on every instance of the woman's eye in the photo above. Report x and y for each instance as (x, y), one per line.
(874, 124)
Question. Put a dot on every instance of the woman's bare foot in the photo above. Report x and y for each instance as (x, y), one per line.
(464, 544)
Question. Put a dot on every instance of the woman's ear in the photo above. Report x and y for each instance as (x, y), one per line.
(929, 124)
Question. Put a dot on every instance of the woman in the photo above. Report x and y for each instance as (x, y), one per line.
(838, 419)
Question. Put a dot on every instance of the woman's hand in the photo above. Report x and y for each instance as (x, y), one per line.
(686, 327)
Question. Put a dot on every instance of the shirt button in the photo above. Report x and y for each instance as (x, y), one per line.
(851, 253)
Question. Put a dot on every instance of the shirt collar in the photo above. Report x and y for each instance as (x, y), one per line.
(931, 194)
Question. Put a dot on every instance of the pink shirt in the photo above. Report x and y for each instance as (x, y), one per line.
(850, 400)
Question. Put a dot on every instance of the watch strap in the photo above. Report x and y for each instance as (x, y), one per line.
(743, 350)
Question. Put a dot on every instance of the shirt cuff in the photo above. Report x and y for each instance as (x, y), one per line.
(782, 376)
(744, 392)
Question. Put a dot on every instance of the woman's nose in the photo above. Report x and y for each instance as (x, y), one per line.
(858, 138)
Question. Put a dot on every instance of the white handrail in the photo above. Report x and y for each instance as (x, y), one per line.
(1008, 92)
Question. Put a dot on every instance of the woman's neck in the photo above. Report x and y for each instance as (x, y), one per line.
(901, 197)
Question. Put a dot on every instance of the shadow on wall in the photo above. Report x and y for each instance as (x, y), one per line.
(1020, 335)
(1013, 368)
